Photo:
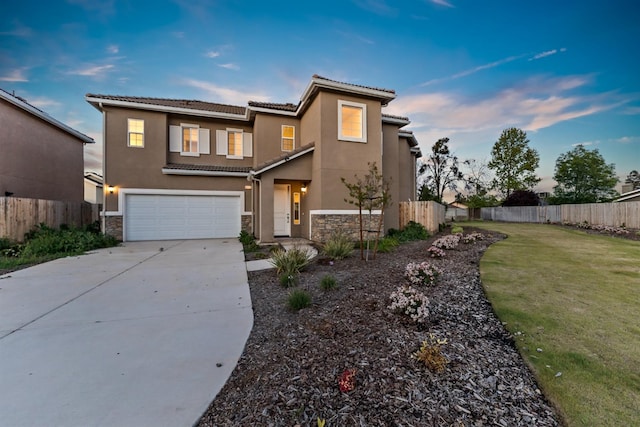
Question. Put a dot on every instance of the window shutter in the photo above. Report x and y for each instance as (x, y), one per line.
(175, 139)
(247, 144)
(221, 142)
(203, 141)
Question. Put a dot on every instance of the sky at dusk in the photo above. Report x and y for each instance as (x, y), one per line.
(566, 72)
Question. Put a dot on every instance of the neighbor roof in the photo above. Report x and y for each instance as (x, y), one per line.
(25, 106)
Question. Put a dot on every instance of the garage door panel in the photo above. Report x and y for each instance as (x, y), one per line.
(165, 217)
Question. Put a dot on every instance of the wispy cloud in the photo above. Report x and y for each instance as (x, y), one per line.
(628, 140)
(43, 102)
(229, 66)
(585, 144)
(97, 71)
(113, 49)
(442, 3)
(212, 54)
(546, 53)
(19, 30)
(351, 36)
(379, 7)
(531, 105)
(473, 70)
(178, 34)
(17, 75)
(224, 94)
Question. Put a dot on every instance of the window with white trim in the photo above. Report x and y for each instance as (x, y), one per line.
(288, 138)
(135, 133)
(189, 140)
(352, 121)
(234, 143)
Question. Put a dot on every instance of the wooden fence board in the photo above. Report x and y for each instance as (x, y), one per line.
(610, 214)
(19, 216)
(430, 214)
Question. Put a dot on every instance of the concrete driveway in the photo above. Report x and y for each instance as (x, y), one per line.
(145, 334)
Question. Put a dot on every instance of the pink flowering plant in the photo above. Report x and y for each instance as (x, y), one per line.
(436, 252)
(410, 302)
(450, 241)
(422, 273)
(472, 237)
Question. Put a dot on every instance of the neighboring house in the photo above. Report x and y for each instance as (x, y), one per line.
(192, 169)
(40, 157)
(456, 211)
(93, 191)
(629, 194)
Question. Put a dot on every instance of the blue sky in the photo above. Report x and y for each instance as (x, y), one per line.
(566, 72)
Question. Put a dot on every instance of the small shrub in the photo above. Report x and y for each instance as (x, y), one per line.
(347, 381)
(412, 231)
(472, 237)
(436, 252)
(456, 229)
(248, 242)
(288, 279)
(430, 354)
(292, 261)
(339, 246)
(410, 302)
(5, 243)
(387, 244)
(328, 282)
(44, 240)
(422, 273)
(298, 299)
(449, 241)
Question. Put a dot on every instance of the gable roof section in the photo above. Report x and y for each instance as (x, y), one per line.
(292, 155)
(25, 106)
(180, 106)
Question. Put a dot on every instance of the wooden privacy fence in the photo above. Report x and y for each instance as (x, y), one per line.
(18, 216)
(611, 214)
(430, 214)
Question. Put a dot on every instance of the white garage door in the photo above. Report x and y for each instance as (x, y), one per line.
(166, 217)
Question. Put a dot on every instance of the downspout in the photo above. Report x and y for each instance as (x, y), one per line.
(104, 169)
(253, 181)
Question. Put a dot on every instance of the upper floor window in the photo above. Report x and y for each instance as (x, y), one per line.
(135, 136)
(288, 138)
(352, 121)
(234, 143)
(189, 139)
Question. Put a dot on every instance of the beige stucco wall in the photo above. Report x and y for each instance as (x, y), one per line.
(37, 159)
(130, 167)
(267, 136)
(392, 174)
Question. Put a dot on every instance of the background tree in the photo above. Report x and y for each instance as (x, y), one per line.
(634, 179)
(513, 162)
(522, 198)
(583, 177)
(441, 171)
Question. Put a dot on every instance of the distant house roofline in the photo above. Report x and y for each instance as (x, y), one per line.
(630, 195)
(24, 105)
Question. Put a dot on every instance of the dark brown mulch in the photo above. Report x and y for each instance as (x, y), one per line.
(288, 374)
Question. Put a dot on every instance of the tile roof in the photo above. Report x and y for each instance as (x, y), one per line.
(391, 116)
(176, 103)
(274, 106)
(207, 168)
(315, 76)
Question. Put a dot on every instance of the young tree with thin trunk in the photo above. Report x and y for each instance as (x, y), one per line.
(513, 162)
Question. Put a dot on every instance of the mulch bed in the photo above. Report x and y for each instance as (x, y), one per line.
(289, 372)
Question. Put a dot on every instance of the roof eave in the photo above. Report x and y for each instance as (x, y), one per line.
(384, 96)
(99, 102)
(283, 161)
(190, 172)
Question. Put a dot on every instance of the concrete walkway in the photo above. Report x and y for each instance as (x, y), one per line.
(287, 243)
(145, 334)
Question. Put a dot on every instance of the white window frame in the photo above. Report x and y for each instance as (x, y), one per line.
(195, 153)
(293, 137)
(129, 133)
(363, 107)
(236, 131)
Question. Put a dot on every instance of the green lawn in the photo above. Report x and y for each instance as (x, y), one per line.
(576, 297)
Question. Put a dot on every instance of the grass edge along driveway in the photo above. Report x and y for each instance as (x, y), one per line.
(572, 302)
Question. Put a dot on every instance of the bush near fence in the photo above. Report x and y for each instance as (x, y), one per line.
(620, 214)
(19, 216)
(430, 214)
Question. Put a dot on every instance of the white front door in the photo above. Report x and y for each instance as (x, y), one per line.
(281, 210)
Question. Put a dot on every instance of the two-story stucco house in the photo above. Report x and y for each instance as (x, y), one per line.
(190, 169)
(40, 157)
